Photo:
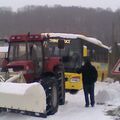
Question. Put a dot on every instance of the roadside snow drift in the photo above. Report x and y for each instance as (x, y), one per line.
(109, 94)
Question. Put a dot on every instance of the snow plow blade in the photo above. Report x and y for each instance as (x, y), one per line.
(30, 98)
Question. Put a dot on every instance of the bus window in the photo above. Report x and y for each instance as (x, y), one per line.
(85, 51)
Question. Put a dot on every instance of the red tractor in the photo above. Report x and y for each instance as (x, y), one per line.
(29, 54)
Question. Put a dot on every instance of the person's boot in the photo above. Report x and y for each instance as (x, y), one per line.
(92, 105)
(86, 105)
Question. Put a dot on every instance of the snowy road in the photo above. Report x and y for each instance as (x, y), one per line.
(73, 110)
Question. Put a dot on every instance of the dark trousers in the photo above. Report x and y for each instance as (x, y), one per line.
(89, 90)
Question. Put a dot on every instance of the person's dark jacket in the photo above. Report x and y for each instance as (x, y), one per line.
(89, 74)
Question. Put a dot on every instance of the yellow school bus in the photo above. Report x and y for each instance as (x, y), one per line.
(76, 48)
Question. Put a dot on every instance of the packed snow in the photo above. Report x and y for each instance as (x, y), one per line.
(107, 95)
(4, 49)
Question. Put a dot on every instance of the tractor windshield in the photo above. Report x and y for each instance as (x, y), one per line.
(17, 51)
(25, 51)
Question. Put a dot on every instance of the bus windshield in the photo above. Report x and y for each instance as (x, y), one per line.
(71, 55)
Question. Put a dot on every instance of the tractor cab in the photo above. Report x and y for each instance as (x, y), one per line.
(26, 54)
(28, 62)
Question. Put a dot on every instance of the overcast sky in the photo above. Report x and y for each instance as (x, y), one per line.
(14, 4)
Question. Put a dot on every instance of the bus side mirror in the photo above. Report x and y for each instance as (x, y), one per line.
(61, 44)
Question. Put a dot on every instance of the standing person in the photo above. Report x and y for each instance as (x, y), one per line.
(89, 74)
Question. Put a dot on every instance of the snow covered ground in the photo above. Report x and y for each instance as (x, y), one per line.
(107, 95)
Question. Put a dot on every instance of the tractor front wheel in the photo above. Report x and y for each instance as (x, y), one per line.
(51, 89)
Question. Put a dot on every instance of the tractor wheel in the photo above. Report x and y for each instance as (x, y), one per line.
(61, 88)
(52, 97)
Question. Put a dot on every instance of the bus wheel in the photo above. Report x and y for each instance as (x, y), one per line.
(74, 91)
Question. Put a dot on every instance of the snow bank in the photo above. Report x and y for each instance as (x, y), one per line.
(109, 94)
(4, 49)
(109, 80)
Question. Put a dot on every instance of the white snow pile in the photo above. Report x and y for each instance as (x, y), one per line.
(109, 94)
(4, 49)
(109, 80)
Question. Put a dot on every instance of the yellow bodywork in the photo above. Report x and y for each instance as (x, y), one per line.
(102, 69)
(74, 81)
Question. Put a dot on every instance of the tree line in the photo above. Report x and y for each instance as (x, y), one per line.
(99, 23)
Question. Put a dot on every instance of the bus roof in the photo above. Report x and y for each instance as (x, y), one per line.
(75, 36)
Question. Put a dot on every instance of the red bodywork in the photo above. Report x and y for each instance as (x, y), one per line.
(50, 63)
(28, 38)
(27, 66)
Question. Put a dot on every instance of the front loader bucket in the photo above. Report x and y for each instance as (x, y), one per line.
(24, 97)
